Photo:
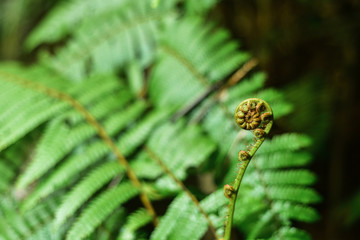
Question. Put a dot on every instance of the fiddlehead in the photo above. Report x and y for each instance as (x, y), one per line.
(251, 114)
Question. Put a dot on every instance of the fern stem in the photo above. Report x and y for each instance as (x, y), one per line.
(220, 87)
(240, 73)
(233, 196)
(56, 94)
(184, 188)
(251, 114)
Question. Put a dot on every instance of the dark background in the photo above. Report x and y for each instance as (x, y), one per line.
(310, 49)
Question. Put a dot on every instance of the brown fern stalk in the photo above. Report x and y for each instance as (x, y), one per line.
(184, 188)
(56, 94)
(220, 87)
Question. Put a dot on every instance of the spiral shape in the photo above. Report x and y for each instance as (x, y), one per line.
(251, 113)
(228, 191)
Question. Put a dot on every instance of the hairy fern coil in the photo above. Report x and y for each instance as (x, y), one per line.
(251, 114)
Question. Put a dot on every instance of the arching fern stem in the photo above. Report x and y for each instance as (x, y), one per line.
(93, 122)
(251, 114)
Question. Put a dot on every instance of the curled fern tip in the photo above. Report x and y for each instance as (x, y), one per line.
(252, 113)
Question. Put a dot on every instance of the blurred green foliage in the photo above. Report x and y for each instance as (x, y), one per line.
(308, 48)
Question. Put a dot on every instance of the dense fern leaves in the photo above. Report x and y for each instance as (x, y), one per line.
(126, 31)
(61, 20)
(184, 221)
(20, 115)
(100, 209)
(58, 133)
(85, 189)
(284, 186)
(136, 220)
(134, 66)
(179, 150)
(197, 62)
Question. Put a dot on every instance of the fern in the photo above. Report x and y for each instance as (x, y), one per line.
(183, 220)
(59, 133)
(99, 209)
(285, 191)
(199, 64)
(172, 146)
(65, 16)
(30, 225)
(85, 189)
(115, 33)
(134, 221)
(146, 81)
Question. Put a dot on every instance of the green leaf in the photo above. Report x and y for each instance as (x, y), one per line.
(296, 211)
(190, 49)
(85, 189)
(97, 211)
(285, 177)
(296, 194)
(136, 220)
(125, 34)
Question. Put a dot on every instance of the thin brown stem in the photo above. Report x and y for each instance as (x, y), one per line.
(56, 94)
(241, 73)
(219, 86)
(155, 157)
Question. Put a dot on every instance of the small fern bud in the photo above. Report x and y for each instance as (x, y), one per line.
(247, 115)
(244, 155)
(259, 133)
(228, 191)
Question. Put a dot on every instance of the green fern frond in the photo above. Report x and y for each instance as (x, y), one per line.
(110, 227)
(59, 138)
(145, 167)
(96, 150)
(30, 223)
(135, 78)
(283, 159)
(68, 182)
(228, 136)
(169, 222)
(275, 194)
(114, 34)
(200, 6)
(56, 130)
(296, 194)
(262, 222)
(132, 139)
(286, 142)
(295, 211)
(97, 211)
(85, 189)
(62, 19)
(76, 163)
(284, 177)
(190, 50)
(10, 163)
(179, 150)
(291, 233)
(23, 116)
(20, 117)
(136, 220)
(184, 221)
